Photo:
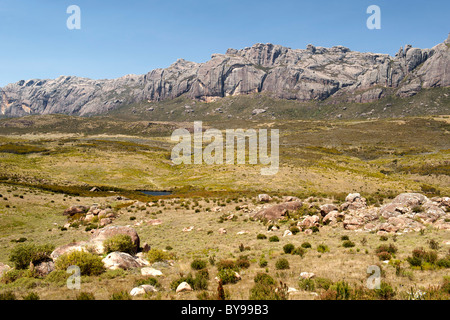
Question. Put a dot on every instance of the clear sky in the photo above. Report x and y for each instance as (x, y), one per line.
(122, 37)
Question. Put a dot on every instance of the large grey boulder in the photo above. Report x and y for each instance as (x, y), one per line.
(100, 235)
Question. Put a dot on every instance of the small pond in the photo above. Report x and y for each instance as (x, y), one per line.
(156, 193)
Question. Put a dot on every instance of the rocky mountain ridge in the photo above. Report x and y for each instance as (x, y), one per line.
(314, 73)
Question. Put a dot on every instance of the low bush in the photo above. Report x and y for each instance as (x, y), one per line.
(299, 251)
(31, 296)
(268, 292)
(264, 278)
(24, 254)
(226, 264)
(282, 264)
(307, 284)
(121, 243)
(198, 264)
(89, 264)
(155, 255)
(8, 295)
(348, 244)
(227, 276)
(261, 236)
(384, 255)
(306, 245)
(87, 296)
(322, 248)
(120, 295)
(242, 263)
(288, 248)
(274, 239)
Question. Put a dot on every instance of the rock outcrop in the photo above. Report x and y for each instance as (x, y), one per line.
(277, 211)
(314, 73)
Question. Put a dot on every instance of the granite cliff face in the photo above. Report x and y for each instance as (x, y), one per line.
(314, 73)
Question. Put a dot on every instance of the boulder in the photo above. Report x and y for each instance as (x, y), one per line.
(44, 268)
(287, 233)
(327, 208)
(120, 260)
(188, 229)
(105, 221)
(277, 211)
(309, 221)
(353, 223)
(4, 268)
(101, 235)
(264, 198)
(148, 271)
(183, 287)
(143, 289)
(307, 275)
(154, 222)
(290, 199)
(76, 246)
(76, 210)
(333, 217)
(222, 231)
(353, 201)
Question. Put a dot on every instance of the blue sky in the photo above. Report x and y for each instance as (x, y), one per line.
(122, 37)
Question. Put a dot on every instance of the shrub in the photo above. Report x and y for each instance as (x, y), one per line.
(434, 245)
(261, 236)
(323, 283)
(121, 295)
(282, 264)
(263, 263)
(155, 255)
(342, 289)
(268, 292)
(23, 254)
(384, 255)
(264, 278)
(294, 230)
(322, 248)
(198, 264)
(12, 275)
(188, 279)
(384, 248)
(58, 277)
(227, 276)
(420, 256)
(307, 284)
(385, 292)
(345, 238)
(89, 264)
(444, 262)
(121, 243)
(31, 296)
(288, 248)
(242, 263)
(306, 245)
(8, 295)
(150, 280)
(274, 239)
(348, 244)
(226, 264)
(299, 251)
(87, 296)
(315, 229)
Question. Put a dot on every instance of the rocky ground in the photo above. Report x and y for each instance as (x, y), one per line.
(288, 217)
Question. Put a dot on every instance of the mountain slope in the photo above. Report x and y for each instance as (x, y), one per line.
(334, 75)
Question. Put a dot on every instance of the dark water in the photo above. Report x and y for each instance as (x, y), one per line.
(156, 193)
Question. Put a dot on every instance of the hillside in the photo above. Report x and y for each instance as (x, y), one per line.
(299, 78)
